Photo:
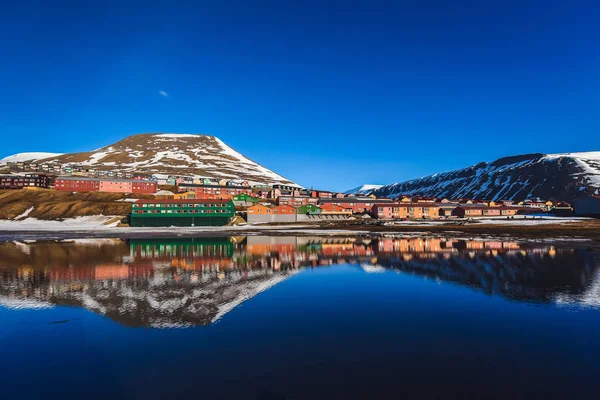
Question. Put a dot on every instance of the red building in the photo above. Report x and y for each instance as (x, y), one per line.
(83, 184)
(22, 181)
(330, 208)
(77, 184)
(143, 186)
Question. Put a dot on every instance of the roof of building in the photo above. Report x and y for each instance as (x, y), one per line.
(214, 186)
(181, 201)
(406, 204)
(85, 178)
(283, 206)
(21, 176)
(164, 193)
(353, 200)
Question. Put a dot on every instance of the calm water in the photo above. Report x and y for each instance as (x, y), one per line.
(298, 318)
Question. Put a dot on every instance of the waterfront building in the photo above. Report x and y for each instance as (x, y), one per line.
(401, 209)
(182, 212)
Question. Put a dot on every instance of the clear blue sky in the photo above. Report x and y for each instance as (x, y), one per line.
(329, 94)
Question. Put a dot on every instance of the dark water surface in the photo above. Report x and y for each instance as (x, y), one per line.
(299, 318)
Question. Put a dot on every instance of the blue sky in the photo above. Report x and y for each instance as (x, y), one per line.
(330, 95)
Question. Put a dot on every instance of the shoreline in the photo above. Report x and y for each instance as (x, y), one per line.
(551, 229)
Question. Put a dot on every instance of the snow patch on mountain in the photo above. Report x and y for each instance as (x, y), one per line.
(193, 155)
(558, 176)
(364, 189)
(589, 162)
(31, 156)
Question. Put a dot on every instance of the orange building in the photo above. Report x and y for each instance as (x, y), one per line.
(405, 210)
(330, 208)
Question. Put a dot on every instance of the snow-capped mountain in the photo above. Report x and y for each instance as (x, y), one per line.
(32, 156)
(559, 176)
(169, 154)
(364, 189)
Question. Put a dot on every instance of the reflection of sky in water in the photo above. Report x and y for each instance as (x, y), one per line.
(303, 318)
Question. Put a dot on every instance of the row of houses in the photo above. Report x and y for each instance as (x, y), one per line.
(83, 184)
(11, 182)
(386, 210)
(535, 203)
(55, 168)
(266, 213)
(404, 210)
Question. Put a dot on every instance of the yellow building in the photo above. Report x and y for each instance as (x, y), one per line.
(185, 196)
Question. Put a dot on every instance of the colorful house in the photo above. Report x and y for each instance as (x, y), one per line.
(356, 204)
(260, 214)
(308, 209)
(296, 201)
(185, 195)
(215, 191)
(330, 208)
(405, 210)
(244, 200)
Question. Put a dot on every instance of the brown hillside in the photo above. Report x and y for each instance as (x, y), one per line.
(52, 205)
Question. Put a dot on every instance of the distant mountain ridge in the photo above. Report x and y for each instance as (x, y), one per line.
(166, 154)
(363, 189)
(563, 176)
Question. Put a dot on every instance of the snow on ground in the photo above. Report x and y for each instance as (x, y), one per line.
(130, 200)
(176, 135)
(518, 220)
(19, 157)
(99, 223)
(26, 213)
(79, 223)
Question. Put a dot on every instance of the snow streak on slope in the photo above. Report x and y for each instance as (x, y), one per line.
(558, 176)
(364, 189)
(589, 162)
(32, 156)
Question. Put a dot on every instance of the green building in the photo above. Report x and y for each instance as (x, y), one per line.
(244, 197)
(181, 212)
(308, 209)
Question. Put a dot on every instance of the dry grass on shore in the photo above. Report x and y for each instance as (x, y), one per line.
(53, 205)
(587, 228)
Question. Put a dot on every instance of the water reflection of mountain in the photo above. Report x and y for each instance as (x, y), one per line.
(534, 274)
(195, 281)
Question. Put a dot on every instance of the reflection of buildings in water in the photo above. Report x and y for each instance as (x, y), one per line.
(184, 282)
(439, 245)
(534, 276)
